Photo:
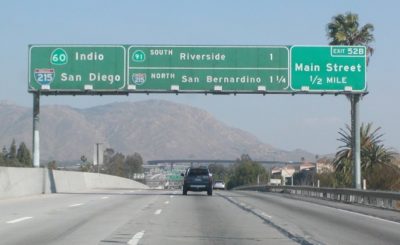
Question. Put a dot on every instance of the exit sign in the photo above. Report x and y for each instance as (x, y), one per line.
(328, 68)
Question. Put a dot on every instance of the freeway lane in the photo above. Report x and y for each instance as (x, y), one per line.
(167, 217)
(200, 219)
(131, 217)
(321, 224)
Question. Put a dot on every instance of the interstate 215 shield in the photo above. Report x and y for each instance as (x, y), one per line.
(44, 76)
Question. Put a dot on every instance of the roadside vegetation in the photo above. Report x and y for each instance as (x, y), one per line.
(15, 156)
(377, 161)
(115, 163)
(380, 165)
(244, 172)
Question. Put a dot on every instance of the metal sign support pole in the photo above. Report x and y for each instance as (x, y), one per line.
(35, 136)
(356, 141)
(97, 158)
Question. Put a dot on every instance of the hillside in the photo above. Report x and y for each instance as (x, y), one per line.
(156, 129)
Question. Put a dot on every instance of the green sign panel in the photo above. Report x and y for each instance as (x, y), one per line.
(77, 68)
(197, 68)
(329, 68)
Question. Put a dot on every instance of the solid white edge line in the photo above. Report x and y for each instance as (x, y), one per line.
(158, 212)
(359, 214)
(136, 238)
(75, 205)
(366, 215)
(18, 220)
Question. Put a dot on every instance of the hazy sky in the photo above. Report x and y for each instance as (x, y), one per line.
(308, 122)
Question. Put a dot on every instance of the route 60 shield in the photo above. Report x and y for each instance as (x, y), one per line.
(44, 76)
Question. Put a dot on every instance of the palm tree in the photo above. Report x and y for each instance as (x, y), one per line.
(373, 151)
(345, 30)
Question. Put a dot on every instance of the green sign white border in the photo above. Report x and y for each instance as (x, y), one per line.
(76, 91)
(216, 87)
(314, 91)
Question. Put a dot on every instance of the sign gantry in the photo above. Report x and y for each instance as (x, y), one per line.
(124, 69)
(116, 69)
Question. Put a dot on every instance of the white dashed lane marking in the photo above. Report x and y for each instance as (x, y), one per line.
(266, 215)
(158, 212)
(136, 238)
(18, 220)
(75, 205)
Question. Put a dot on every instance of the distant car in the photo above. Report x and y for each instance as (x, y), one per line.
(197, 179)
(219, 184)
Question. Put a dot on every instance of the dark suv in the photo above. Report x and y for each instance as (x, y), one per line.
(197, 179)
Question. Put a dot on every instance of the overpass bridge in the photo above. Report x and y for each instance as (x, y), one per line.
(215, 161)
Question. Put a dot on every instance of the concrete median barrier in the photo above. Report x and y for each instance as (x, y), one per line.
(18, 182)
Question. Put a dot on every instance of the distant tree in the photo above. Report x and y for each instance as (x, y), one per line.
(24, 155)
(86, 166)
(383, 177)
(2, 159)
(11, 157)
(133, 164)
(219, 172)
(327, 179)
(4, 152)
(246, 171)
(115, 164)
(12, 154)
(83, 159)
(305, 177)
(107, 155)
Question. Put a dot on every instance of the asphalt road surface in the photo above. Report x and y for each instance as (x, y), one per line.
(167, 217)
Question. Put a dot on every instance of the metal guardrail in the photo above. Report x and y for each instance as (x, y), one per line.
(380, 199)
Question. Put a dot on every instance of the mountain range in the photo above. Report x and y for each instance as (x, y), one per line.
(156, 129)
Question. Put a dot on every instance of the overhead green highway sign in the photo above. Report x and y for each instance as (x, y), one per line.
(123, 69)
(206, 68)
(77, 68)
(328, 68)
